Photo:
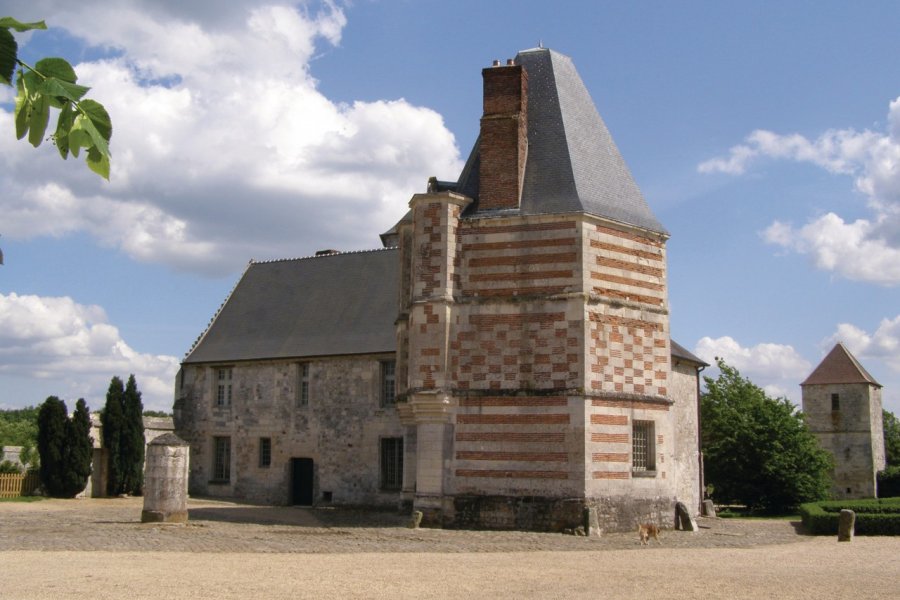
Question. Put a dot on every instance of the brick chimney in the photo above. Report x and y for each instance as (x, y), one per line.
(504, 136)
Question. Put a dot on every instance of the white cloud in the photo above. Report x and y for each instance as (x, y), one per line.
(865, 249)
(75, 345)
(777, 368)
(224, 149)
(883, 344)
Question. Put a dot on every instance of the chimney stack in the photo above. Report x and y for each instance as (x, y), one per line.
(504, 136)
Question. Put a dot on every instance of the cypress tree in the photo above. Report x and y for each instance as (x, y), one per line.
(52, 426)
(80, 448)
(113, 425)
(132, 445)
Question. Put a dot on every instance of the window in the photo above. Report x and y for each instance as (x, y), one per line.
(642, 450)
(303, 388)
(223, 386)
(265, 452)
(388, 383)
(391, 463)
(835, 402)
(221, 459)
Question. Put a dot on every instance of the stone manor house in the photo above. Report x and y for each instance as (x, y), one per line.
(503, 362)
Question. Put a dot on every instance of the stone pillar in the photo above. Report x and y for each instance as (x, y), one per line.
(846, 523)
(166, 480)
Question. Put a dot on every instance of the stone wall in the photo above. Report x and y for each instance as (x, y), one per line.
(853, 434)
(339, 429)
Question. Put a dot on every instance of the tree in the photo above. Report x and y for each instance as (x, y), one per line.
(52, 434)
(51, 83)
(80, 448)
(132, 441)
(112, 419)
(891, 438)
(18, 427)
(757, 450)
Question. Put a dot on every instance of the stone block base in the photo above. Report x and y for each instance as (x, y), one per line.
(158, 516)
(538, 513)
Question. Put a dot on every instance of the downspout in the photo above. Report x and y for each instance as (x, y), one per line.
(700, 441)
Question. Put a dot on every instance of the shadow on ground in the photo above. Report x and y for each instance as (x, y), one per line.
(300, 516)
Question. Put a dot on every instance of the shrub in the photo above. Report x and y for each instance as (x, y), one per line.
(873, 517)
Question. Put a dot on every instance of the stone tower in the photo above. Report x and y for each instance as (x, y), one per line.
(842, 404)
(534, 360)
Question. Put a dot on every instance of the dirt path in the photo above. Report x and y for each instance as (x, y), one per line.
(97, 549)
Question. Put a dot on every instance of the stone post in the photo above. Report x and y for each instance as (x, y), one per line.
(846, 523)
(165, 480)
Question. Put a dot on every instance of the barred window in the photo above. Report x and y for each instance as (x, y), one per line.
(223, 386)
(642, 450)
(835, 402)
(222, 459)
(303, 391)
(388, 383)
(265, 452)
(391, 463)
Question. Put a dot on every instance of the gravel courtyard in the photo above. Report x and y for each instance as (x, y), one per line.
(97, 548)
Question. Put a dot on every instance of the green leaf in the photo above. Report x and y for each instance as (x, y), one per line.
(56, 67)
(94, 138)
(11, 23)
(98, 116)
(37, 122)
(63, 126)
(98, 162)
(23, 109)
(61, 92)
(8, 53)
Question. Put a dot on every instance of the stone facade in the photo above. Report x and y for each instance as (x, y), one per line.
(339, 427)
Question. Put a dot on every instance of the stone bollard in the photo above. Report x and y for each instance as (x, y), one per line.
(165, 480)
(846, 523)
(683, 518)
(709, 509)
(416, 519)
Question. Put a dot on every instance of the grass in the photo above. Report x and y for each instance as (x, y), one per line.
(740, 512)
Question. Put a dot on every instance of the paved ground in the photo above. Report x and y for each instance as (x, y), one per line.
(97, 548)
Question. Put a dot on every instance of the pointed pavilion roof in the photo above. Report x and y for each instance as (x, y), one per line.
(573, 164)
(839, 366)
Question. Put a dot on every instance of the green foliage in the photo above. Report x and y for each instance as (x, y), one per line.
(9, 467)
(52, 434)
(891, 426)
(873, 516)
(132, 441)
(156, 413)
(889, 482)
(65, 446)
(51, 83)
(18, 427)
(80, 448)
(112, 419)
(757, 450)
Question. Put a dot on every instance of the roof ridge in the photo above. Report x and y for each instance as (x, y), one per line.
(313, 256)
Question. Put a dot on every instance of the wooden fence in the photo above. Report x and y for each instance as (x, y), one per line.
(13, 485)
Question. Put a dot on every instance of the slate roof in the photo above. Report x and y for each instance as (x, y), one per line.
(573, 164)
(680, 352)
(839, 366)
(319, 306)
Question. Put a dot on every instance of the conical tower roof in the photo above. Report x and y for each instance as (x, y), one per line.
(839, 366)
(573, 164)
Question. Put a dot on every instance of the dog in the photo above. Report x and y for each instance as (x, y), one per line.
(646, 531)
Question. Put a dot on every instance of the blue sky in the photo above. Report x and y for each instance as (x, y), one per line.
(764, 135)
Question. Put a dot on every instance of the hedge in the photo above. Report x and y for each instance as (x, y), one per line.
(873, 517)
